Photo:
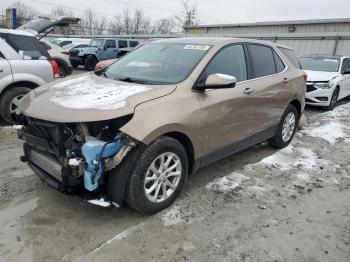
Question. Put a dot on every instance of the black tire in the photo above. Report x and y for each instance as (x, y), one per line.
(74, 65)
(90, 63)
(135, 192)
(334, 100)
(277, 141)
(6, 100)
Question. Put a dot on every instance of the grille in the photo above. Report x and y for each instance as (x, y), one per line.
(47, 164)
(307, 100)
(39, 131)
(310, 88)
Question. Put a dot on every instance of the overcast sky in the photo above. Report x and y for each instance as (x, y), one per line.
(210, 11)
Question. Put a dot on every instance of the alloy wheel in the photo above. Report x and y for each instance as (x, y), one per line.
(288, 126)
(162, 177)
(14, 105)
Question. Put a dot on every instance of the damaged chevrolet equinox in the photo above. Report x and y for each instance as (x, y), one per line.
(134, 131)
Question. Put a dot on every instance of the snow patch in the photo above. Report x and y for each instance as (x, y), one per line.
(227, 183)
(303, 177)
(74, 162)
(330, 132)
(100, 202)
(172, 217)
(16, 127)
(290, 157)
(88, 92)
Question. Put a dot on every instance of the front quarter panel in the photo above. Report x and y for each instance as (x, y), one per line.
(177, 112)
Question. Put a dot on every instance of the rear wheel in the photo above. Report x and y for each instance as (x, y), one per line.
(286, 128)
(334, 100)
(10, 102)
(90, 63)
(158, 176)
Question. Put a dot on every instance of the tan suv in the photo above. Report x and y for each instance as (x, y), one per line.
(134, 131)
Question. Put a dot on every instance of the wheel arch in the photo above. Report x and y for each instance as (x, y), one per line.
(28, 84)
(187, 143)
(297, 105)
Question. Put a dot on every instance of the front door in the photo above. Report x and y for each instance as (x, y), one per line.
(110, 49)
(228, 113)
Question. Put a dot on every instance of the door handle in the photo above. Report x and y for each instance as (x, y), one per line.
(285, 80)
(248, 91)
(1, 70)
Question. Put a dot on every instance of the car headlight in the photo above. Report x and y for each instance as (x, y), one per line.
(322, 85)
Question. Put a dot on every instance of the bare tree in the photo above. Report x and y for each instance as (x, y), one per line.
(24, 12)
(164, 26)
(127, 21)
(116, 25)
(189, 15)
(62, 11)
(93, 24)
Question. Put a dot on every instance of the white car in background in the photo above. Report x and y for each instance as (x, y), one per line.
(74, 45)
(328, 79)
(66, 41)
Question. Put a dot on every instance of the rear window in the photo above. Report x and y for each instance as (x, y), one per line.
(29, 46)
(292, 57)
(122, 44)
(133, 43)
(263, 61)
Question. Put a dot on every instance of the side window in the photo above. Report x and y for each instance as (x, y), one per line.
(133, 43)
(263, 62)
(110, 44)
(292, 57)
(230, 61)
(27, 45)
(122, 44)
(279, 64)
(346, 64)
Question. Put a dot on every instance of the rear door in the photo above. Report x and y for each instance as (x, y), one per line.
(267, 88)
(229, 113)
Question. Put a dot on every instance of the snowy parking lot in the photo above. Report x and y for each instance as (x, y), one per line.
(259, 205)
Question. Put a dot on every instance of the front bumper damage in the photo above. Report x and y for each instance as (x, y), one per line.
(72, 163)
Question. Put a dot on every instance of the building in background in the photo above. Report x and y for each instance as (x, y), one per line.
(321, 36)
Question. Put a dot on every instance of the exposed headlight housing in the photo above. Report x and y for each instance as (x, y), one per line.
(322, 85)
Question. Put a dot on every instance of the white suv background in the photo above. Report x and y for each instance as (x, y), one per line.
(328, 79)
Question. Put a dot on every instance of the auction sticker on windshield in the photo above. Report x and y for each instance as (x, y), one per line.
(197, 47)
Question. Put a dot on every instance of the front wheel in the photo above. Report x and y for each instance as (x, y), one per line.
(286, 128)
(158, 176)
(90, 63)
(9, 103)
(334, 100)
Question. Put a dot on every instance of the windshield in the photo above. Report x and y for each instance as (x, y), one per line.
(158, 63)
(96, 42)
(320, 64)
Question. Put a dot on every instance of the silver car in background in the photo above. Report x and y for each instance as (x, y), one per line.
(24, 65)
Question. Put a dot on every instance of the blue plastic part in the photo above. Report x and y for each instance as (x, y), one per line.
(91, 150)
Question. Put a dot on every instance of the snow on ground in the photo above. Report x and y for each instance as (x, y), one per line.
(13, 127)
(290, 157)
(330, 132)
(227, 183)
(337, 123)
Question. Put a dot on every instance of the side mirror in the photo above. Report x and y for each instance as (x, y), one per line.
(217, 81)
(346, 71)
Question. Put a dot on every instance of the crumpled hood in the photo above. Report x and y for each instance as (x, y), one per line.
(314, 76)
(87, 98)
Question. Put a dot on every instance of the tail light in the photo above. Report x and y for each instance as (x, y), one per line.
(305, 77)
(55, 70)
(65, 52)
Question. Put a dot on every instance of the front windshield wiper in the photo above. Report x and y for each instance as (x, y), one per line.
(133, 80)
